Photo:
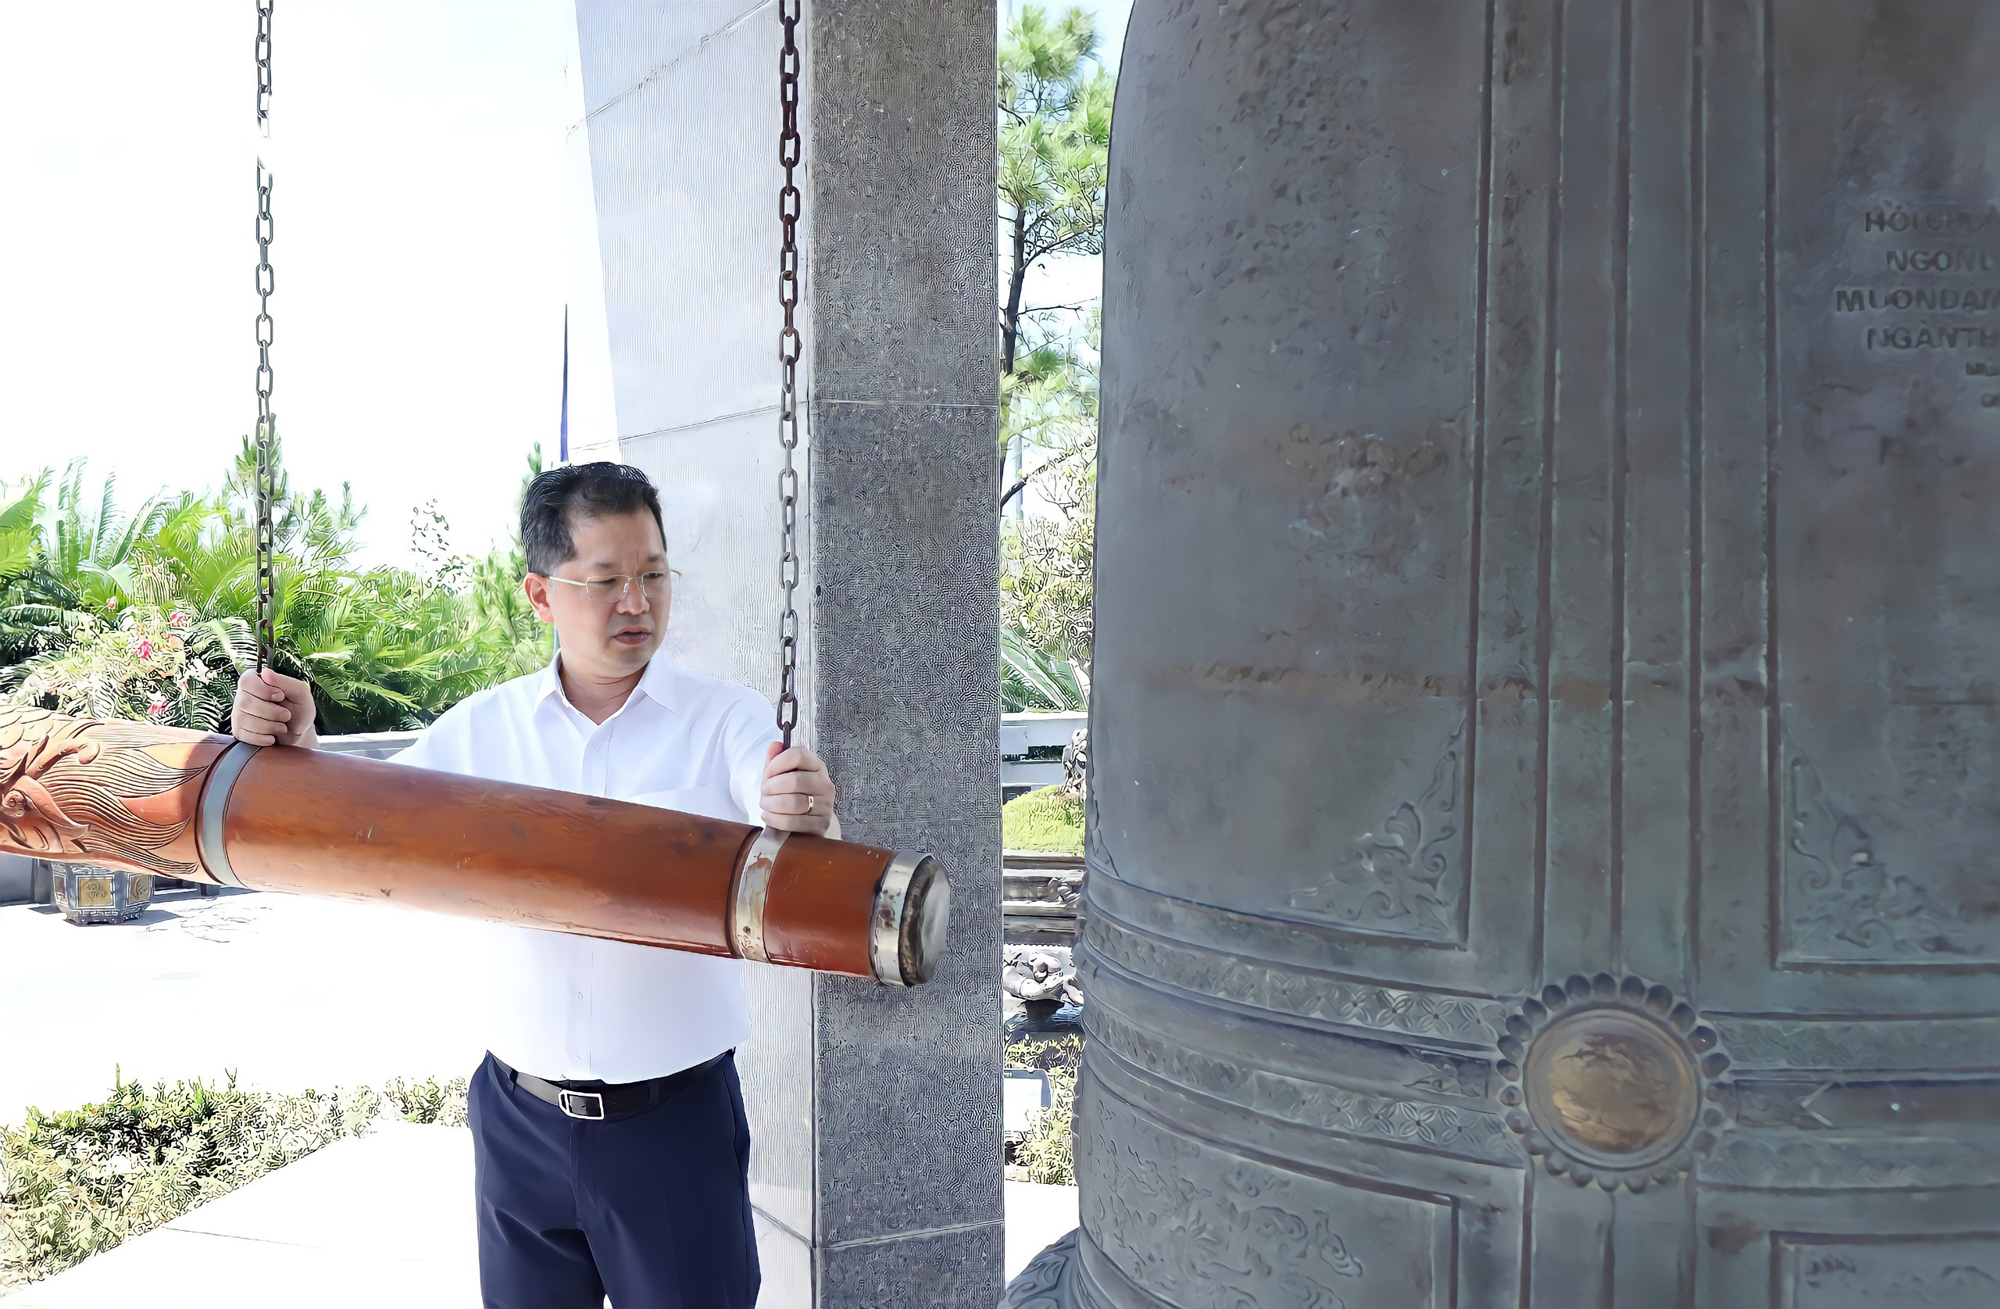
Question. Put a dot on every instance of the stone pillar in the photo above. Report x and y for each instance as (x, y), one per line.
(876, 1170)
(905, 629)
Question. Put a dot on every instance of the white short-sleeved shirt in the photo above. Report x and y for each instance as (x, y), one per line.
(574, 1008)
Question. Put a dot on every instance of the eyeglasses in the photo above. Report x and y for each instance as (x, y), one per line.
(610, 590)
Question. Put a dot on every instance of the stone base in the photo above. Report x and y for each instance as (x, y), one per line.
(1047, 1282)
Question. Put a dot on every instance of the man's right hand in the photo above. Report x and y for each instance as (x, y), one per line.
(272, 709)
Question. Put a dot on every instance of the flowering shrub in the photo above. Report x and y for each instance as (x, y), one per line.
(384, 648)
(138, 662)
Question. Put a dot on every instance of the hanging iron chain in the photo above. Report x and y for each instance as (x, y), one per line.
(788, 361)
(266, 470)
(264, 64)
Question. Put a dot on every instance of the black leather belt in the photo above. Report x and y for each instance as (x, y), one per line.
(603, 1102)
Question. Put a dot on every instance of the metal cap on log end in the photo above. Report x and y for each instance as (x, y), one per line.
(912, 913)
(807, 901)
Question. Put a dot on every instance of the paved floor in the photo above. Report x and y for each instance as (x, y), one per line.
(381, 1220)
(293, 993)
(1037, 1217)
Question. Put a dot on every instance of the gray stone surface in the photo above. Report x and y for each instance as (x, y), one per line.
(384, 1220)
(683, 130)
(916, 1270)
(17, 878)
(1037, 1216)
(902, 167)
(876, 1112)
(1544, 809)
(905, 698)
(369, 745)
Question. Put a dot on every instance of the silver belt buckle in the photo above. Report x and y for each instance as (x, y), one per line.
(567, 1099)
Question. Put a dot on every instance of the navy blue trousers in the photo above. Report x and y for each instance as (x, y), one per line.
(653, 1209)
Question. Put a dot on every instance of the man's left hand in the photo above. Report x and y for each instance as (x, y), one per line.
(798, 792)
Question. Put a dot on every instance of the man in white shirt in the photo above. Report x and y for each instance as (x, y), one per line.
(610, 1146)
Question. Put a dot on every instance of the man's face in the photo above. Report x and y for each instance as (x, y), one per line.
(607, 636)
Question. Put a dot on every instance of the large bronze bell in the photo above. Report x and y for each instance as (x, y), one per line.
(1546, 833)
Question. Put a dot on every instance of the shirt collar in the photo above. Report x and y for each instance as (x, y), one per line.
(657, 683)
(547, 683)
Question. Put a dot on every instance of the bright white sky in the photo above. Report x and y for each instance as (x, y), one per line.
(420, 256)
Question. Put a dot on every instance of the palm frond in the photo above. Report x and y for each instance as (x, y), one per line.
(1033, 680)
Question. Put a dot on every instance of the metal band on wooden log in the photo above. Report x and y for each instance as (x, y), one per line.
(182, 804)
(753, 884)
(209, 845)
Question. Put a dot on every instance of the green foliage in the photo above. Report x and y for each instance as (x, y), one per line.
(1046, 1053)
(18, 539)
(1048, 819)
(428, 1101)
(1047, 559)
(80, 1181)
(1054, 102)
(77, 1182)
(519, 641)
(1047, 1153)
(1046, 589)
(1054, 145)
(90, 549)
(1049, 408)
(1035, 680)
(63, 558)
(141, 664)
(82, 586)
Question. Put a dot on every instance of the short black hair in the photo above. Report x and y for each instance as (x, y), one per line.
(593, 490)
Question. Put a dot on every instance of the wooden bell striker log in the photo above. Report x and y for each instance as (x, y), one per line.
(184, 804)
